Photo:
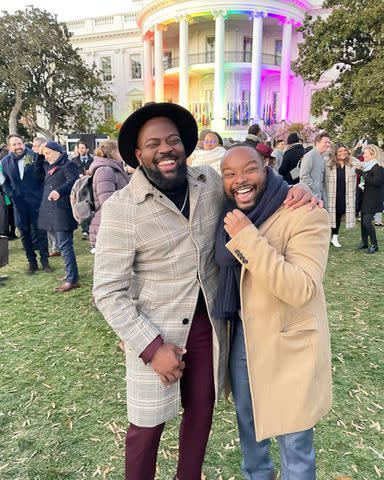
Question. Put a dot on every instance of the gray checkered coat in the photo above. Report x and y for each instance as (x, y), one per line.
(150, 264)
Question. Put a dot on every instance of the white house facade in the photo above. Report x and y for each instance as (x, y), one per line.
(227, 61)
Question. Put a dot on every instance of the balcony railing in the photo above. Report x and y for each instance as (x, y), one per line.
(229, 57)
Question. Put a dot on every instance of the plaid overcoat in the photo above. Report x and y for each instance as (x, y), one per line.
(350, 193)
(150, 264)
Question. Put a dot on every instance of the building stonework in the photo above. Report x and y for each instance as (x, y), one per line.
(227, 61)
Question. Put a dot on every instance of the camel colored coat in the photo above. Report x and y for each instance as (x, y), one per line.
(285, 320)
(150, 264)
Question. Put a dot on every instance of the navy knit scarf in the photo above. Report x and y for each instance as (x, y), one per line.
(227, 302)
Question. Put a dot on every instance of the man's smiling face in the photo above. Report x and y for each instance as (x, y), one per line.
(244, 176)
(161, 153)
(16, 145)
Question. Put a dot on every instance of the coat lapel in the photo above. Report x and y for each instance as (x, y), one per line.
(14, 170)
(195, 187)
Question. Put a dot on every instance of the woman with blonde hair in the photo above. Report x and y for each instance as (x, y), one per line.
(340, 187)
(372, 185)
(109, 175)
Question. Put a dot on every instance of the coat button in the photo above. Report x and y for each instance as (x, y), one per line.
(237, 252)
(185, 321)
(245, 261)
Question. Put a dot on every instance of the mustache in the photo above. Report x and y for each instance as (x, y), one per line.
(165, 156)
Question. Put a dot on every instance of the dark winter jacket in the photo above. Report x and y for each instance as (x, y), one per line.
(80, 165)
(291, 158)
(372, 201)
(24, 193)
(108, 176)
(60, 176)
(3, 215)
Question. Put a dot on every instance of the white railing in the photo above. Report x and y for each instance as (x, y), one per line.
(130, 17)
(103, 21)
(76, 25)
(103, 24)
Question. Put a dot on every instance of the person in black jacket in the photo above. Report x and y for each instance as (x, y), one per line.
(291, 157)
(55, 211)
(24, 189)
(83, 162)
(84, 158)
(372, 185)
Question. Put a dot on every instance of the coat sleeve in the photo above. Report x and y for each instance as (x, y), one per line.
(39, 167)
(285, 166)
(7, 184)
(356, 163)
(114, 260)
(295, 276)
(78, 164)
(104, 183)
(71, 174)
(306, 170)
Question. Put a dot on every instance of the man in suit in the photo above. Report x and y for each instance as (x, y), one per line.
(280, 360)
(312, 168)
(83, 161)
(25, 190)
(155, 281)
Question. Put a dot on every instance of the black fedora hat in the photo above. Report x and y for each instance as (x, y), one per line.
(183, 119)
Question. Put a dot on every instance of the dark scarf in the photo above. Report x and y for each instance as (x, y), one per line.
(51, 169)
(28, 156)
(227, 302)
(13, 156)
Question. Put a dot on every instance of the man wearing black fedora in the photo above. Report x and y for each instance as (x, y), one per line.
(155, 281)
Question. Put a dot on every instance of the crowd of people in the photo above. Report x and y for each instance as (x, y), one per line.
(35, 187)
(348, 181)
(195, 241)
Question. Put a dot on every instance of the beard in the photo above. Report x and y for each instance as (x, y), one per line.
(157, 178)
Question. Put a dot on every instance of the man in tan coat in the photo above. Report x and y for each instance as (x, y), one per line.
(155, 282)
(272, 264)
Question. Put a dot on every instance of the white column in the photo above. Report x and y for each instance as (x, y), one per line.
(183, 62)
(218, 122)
(285, 70)
(159, 64)
(257, 54)
(148, 76)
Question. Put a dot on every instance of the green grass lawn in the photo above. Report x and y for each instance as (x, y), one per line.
(62, 395)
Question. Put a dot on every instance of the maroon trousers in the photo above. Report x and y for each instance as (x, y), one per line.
(197, 399)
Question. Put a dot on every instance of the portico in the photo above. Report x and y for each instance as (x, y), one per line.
(184, 52)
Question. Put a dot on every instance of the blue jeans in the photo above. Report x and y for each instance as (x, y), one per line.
(297, 455)
(65, 243)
